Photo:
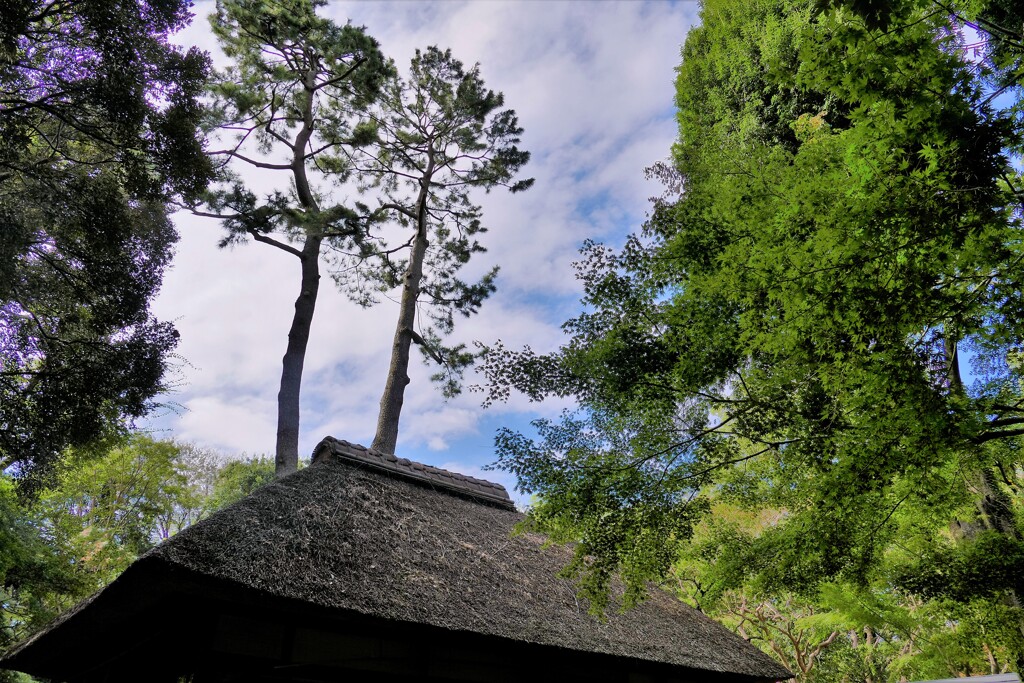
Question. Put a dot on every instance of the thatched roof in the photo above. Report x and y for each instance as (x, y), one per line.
(434, 477)
(364, 534)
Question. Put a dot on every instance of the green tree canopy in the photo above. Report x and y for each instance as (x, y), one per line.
(98, 128)
(105, 505)
(840, 236)
(35, 581)
(106, 510)
(238, 478)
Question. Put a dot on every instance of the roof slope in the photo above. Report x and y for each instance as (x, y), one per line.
(346, 534)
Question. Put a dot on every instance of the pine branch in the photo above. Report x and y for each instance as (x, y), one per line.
(426, 347)
(252, 162)
(260, 237)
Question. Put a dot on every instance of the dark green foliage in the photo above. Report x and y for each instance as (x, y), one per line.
(100, 73)
(98, 119)
(444, 128)
(986, 567)
(80, 351)
(289, 64)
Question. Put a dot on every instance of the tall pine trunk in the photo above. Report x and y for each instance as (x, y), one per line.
(291, 101)
(287, 450)
(286, 456)
(398, 371)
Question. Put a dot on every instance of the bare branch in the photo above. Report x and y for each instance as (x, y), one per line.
(998, 434)
(401, 209)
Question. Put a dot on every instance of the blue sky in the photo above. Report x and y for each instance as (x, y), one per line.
(592, 85)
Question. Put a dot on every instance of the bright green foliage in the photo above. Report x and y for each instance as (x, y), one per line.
(106, 512)
(841, 632)
(98, 128)
(238, 478)
(840, 234)
(107, 505)
(35, 581)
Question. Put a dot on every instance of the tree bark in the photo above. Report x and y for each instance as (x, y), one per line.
(287, 451)
(286, 456)
(391, 401)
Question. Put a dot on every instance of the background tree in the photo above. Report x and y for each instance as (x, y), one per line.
(288, 104)
(35, 580)
(437, 135)
(238, 478)
(841, 225)
(107, 504)
(842, 631)
(98, 119)
(110, 509)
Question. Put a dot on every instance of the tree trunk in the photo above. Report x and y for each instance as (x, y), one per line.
(956, 383)
(398, 372)
(287, 452)
(286, 457)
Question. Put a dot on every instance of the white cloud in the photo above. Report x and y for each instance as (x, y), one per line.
(229, 423)
(592, 85)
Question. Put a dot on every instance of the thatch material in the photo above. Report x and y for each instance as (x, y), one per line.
(358, 539)
(434, 477)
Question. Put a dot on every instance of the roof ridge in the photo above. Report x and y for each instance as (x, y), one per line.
(480, 489)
